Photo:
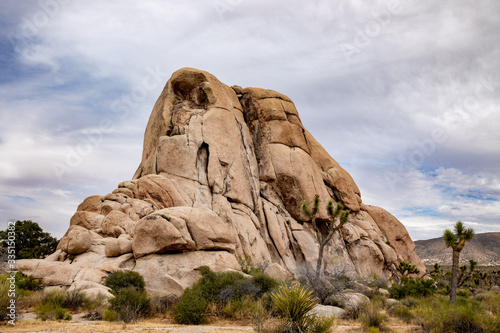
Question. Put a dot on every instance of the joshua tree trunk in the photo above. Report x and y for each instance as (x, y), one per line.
(322, 245)
(320, 260)
(454, 276)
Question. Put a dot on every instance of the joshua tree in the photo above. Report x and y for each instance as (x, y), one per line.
(405, 268)
(435, 270)
(325, 229)
(457, 242)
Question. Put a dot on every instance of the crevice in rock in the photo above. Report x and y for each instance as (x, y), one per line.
(202, 159)
(249, 151)
(269, 235)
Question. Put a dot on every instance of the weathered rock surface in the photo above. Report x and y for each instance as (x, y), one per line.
(224, 172)
(326, 311)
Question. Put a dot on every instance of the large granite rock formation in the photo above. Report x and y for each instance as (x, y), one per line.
(223, 174)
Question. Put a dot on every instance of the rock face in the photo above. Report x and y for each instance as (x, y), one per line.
(223, 175)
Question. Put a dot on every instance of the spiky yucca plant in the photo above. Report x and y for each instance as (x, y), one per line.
(294, 303)
(457, 242)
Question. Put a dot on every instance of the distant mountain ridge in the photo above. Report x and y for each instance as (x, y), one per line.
(483, 248)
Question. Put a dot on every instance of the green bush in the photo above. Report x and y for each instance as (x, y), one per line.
(232, 292)
(191, 308)
(293, 303)
(214, 286)
(124, 279)
(130, 304)
(413, 287)
(28, 282)
(226, 286)
(110, 315)
(55, 298)
(264, 282)
(48, 311)
(95, 303)
(321, 324)
(74, 299)
(54, 305)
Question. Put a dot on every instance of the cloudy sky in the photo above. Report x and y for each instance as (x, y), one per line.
(404, 95)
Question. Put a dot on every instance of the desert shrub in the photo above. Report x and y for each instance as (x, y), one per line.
(490, 301)
(125, 279)
(371, 316)
(130, 304)
(328, 289)
(226, 286)
(321, 288)
(413, 287)
(379, 299)
(320, 324)
(261, 316)
(110, 315)
(48, 311)
(95, 303)
(162, 304)
(54, 305)
(191, 308)
(351, 312)
(230, 293)
(28, 282)
(341, 281)
(55, 298)
(293, 303)
(59, 313)
(247, 287)
(376, 282)
(264, 282)
(74, 299)
(240, 308)
(410, 302)
(30, 300)
(222, 286)
(464, 315)
(402, 312)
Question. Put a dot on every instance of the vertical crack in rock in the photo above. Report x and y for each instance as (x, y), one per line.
(202, 163)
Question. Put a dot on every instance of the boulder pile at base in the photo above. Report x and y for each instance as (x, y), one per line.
(223, 175)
